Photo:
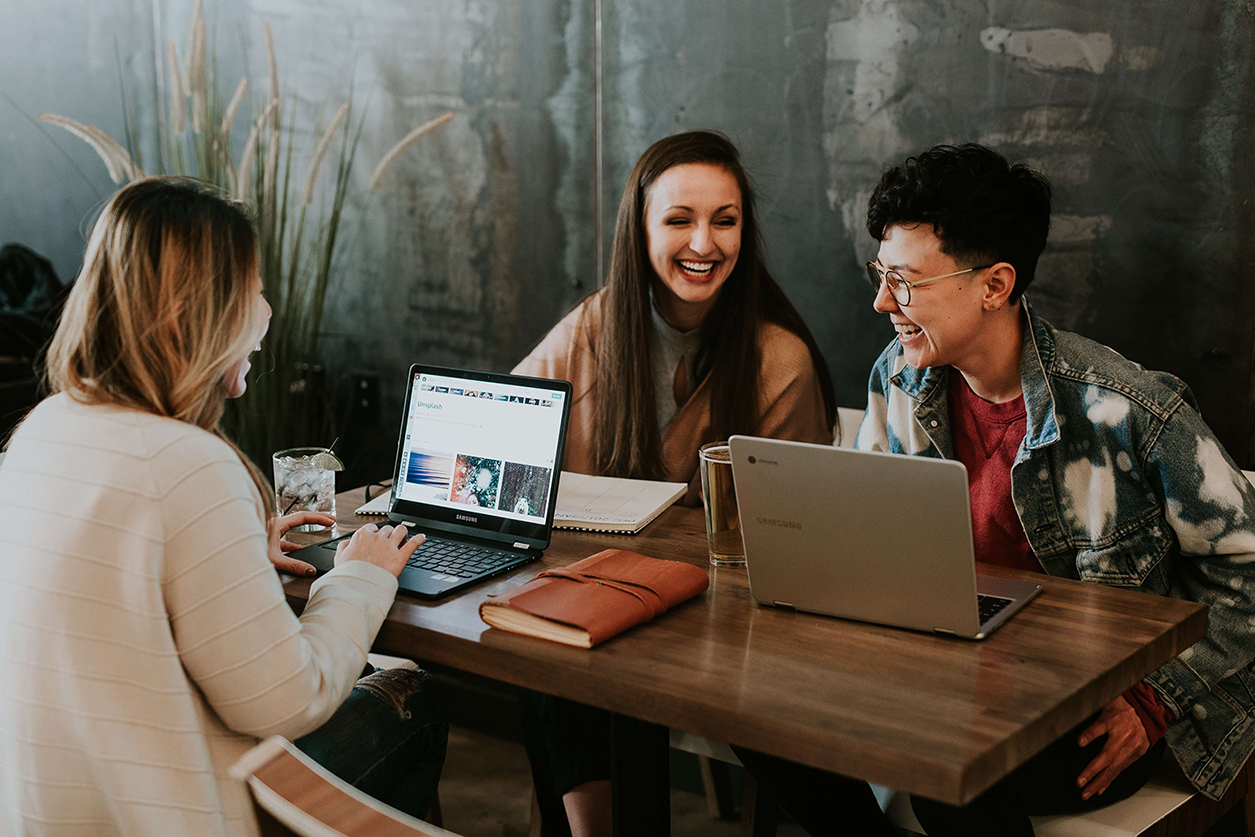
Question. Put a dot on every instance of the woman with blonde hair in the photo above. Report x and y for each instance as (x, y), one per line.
(145, 642)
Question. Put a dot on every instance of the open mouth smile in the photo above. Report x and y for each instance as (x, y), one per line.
(695, 269)
(907, 331)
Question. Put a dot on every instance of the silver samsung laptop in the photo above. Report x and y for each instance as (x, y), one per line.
(877, 537)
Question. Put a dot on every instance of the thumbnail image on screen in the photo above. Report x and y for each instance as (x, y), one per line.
(524, 489)
(476, 481)
(429, 474)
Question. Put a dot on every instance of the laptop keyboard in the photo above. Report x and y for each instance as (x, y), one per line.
(456, 558)
(991, 606)
(464, 560)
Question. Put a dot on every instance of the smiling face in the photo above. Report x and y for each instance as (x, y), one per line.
(693, 227)
(944, 322)
(235, 377)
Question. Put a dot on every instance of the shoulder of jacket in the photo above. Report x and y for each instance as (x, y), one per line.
(578, 329)
(1083, 363)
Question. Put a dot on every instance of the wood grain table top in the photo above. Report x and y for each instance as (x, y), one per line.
(937, 716)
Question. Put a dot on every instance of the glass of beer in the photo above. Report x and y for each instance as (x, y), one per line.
(723, 524)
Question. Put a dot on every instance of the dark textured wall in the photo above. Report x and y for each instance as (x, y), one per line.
(1140, 111)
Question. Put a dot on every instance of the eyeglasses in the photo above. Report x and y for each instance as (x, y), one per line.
(899, 287)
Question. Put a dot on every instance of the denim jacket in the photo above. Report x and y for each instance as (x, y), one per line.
(1119, 481)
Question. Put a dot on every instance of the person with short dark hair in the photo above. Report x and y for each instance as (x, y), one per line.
(1080, 464)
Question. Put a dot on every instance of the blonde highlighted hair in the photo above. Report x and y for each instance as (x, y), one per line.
(163, 307)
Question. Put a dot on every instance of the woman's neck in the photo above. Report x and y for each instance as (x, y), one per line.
(680, 315)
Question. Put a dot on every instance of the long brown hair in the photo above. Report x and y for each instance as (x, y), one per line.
(163, 307)
(628, 441)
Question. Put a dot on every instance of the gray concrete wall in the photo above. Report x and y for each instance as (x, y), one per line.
(1140, 112)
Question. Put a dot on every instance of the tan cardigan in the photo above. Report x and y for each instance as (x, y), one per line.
(791, 404)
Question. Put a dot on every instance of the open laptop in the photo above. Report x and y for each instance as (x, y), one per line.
(477, 470)
(877, 537)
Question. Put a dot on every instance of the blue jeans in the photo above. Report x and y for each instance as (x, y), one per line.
(387, 739)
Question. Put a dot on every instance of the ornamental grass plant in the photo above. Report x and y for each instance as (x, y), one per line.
(298, 218)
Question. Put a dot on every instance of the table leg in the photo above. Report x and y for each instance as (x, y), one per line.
(641, 778)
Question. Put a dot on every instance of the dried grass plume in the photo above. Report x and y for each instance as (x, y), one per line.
(228, 118)
(272, 67)
(115, 157)
(320, 151)
(178, 105)
(189, 43)
(390, 159)
(196, 80)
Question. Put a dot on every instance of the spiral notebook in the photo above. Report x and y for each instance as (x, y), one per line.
(594, 504)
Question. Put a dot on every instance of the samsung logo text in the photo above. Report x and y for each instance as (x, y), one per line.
(783, 524)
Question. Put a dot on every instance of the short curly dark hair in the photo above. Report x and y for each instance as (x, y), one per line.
(981, 208)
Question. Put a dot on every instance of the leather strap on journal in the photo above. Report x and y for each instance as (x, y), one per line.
(653, 605)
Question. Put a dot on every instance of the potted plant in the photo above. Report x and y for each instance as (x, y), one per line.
(298, 233)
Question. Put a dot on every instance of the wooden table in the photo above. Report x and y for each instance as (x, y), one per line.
(941, 717)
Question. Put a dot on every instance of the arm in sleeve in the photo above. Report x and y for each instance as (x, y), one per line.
(262, 670)
(556, 354)
(1210, 506)
(796, 412)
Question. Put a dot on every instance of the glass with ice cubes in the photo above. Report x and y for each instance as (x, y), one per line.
(305, 480)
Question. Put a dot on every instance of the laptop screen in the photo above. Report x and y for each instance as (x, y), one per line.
(481, 450)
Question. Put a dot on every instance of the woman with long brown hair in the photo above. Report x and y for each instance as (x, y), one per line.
(691, 341)
(146, 639)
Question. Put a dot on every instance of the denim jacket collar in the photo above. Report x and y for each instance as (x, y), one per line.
(928, 386)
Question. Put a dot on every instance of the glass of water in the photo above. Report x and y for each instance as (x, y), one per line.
(303, 483)
(723, 524)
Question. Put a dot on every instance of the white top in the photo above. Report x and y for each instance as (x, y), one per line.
(145, 643)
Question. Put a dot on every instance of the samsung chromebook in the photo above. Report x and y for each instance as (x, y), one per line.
(476, 471)
(877, 537)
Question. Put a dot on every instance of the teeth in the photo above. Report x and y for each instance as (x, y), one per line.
(907, 330)
(697, 267)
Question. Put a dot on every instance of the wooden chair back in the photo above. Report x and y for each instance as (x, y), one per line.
(294, 795)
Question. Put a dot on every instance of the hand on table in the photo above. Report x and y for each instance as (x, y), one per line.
(1126, 743)
(379, 546)
(277, 527)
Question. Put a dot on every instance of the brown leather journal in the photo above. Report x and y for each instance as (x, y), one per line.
(594, 598)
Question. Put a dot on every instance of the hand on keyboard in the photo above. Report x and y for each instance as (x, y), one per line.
(385, 547)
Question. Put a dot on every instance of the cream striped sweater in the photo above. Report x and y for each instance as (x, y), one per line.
(144, 638)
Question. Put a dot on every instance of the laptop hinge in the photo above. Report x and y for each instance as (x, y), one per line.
(789, 605)
(521, 545)
(943, 631)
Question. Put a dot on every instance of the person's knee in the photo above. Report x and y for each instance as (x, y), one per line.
(407, 691)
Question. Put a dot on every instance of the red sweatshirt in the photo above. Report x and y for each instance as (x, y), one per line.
(986, 438)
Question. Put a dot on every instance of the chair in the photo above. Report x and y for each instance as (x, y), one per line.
(848, 419)
(1166, 807)
(294, 795)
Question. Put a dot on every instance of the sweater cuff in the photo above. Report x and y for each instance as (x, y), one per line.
(1153, 714)
(367, 578)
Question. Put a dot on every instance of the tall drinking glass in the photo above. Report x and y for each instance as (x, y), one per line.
(302, 484)
(723, 524)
